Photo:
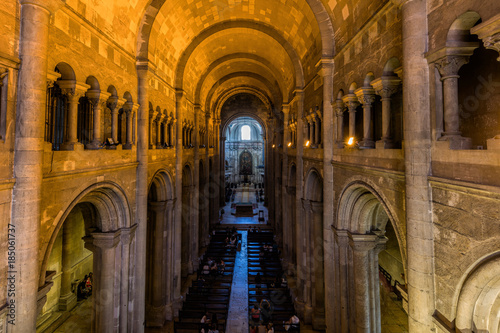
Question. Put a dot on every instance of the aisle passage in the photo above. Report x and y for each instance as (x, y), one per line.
(237, 321)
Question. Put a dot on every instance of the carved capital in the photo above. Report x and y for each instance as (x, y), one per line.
(493, 43)
(449, 66)
(351, 101)
(339, 108)
(366, 96)
(386, 86)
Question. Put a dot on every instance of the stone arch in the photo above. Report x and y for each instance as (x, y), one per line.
(459, 31)
(318, 8)
(362, 218)
(269, 30)
(314, 186)
(239, 90)
(160, 187)
(93, 83)
(237, 56)
(66, 71)
(230, 119)
(160, 240)
(107, 228)
(478, 301)
(391, 65)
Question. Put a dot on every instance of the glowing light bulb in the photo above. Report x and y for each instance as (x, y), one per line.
(351, 141)
(307, 144)
(289, 144)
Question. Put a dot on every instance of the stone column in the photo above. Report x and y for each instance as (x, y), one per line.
(139, 292)
(385, 87)
(129, 109)
(312, 130)
(366, 96)
(152, 116)
(67, 300)
(287, 223)
(196, 191)
(417, 135)
(448, 68)
(103, 247)
(127, 235)
(155, 316)
(179, 109)
(172, 276)
(159, 120)
(73, 91)
(28, 157)
(361, 246)
(318, 271)
(306, 268)
(339, 112)
(351, 101)
(299, 301)
(341, 283)
(98, 100)
(317, 129)
(114, 105)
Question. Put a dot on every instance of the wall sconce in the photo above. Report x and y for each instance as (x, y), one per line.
(308, 143)
(274, 146)
(289, 144)
(350, 142)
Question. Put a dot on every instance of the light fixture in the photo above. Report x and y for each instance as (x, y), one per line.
(289, 144)
(351, 141)
(274, 146)
(308, 143)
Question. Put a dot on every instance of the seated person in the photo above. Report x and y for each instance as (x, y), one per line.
(255, 314)
(293, 324)
(82, 292)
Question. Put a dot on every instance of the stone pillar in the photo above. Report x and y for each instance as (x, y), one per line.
(127, 235)
(361, 246)
(317, 129)
(385, 87)
(196, 191)
(98, 100)
(73, 91)
(366, 96)
(306, 268)
(169, 257)
(448, 68)
(179, 109)
(417, 135)
(318, 269)
(139, 292)
(67, 300)
(287, 223)
(341, 279)
(312, 130)
(103, 247)
(339, 112)
(301, 278)
(129, 109)
(351, 101)
(155, 316)
(28, 157)
(114, 105)
(152, 116)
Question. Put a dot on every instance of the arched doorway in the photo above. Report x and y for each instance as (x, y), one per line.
(160, 258)
(370, 262)
(101, 217)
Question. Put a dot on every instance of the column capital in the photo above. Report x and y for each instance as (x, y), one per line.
(49, 5)
(366, 95)
(286, 108)
(386, 86)
(52, 77)
(316, 207)
(341, 237)
(97, 97)
(102, 240)
(449, 65)
(489, 33)
(362, 242)
(73, 89)
(179, 94)
(325, 66)
(115, 103)
(351, 101)
(128, 234)
(339, 107)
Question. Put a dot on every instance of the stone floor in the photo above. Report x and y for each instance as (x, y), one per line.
(394, 318)
(238, 305)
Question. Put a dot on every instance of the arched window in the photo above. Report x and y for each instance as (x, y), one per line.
(246, 133)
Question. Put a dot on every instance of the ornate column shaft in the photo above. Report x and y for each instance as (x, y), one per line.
(73, 91)
(339, 112)
(351, 101)
(367, 97)
(448, 68)
(115, 104)
(98, 100)
(385, 87)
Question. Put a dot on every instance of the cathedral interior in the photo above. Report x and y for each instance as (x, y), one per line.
(337, 160)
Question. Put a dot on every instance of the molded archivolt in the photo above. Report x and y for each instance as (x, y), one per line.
(314, 186)
(160, 188)
(361, 210)
(113, 213)
(478, 304)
